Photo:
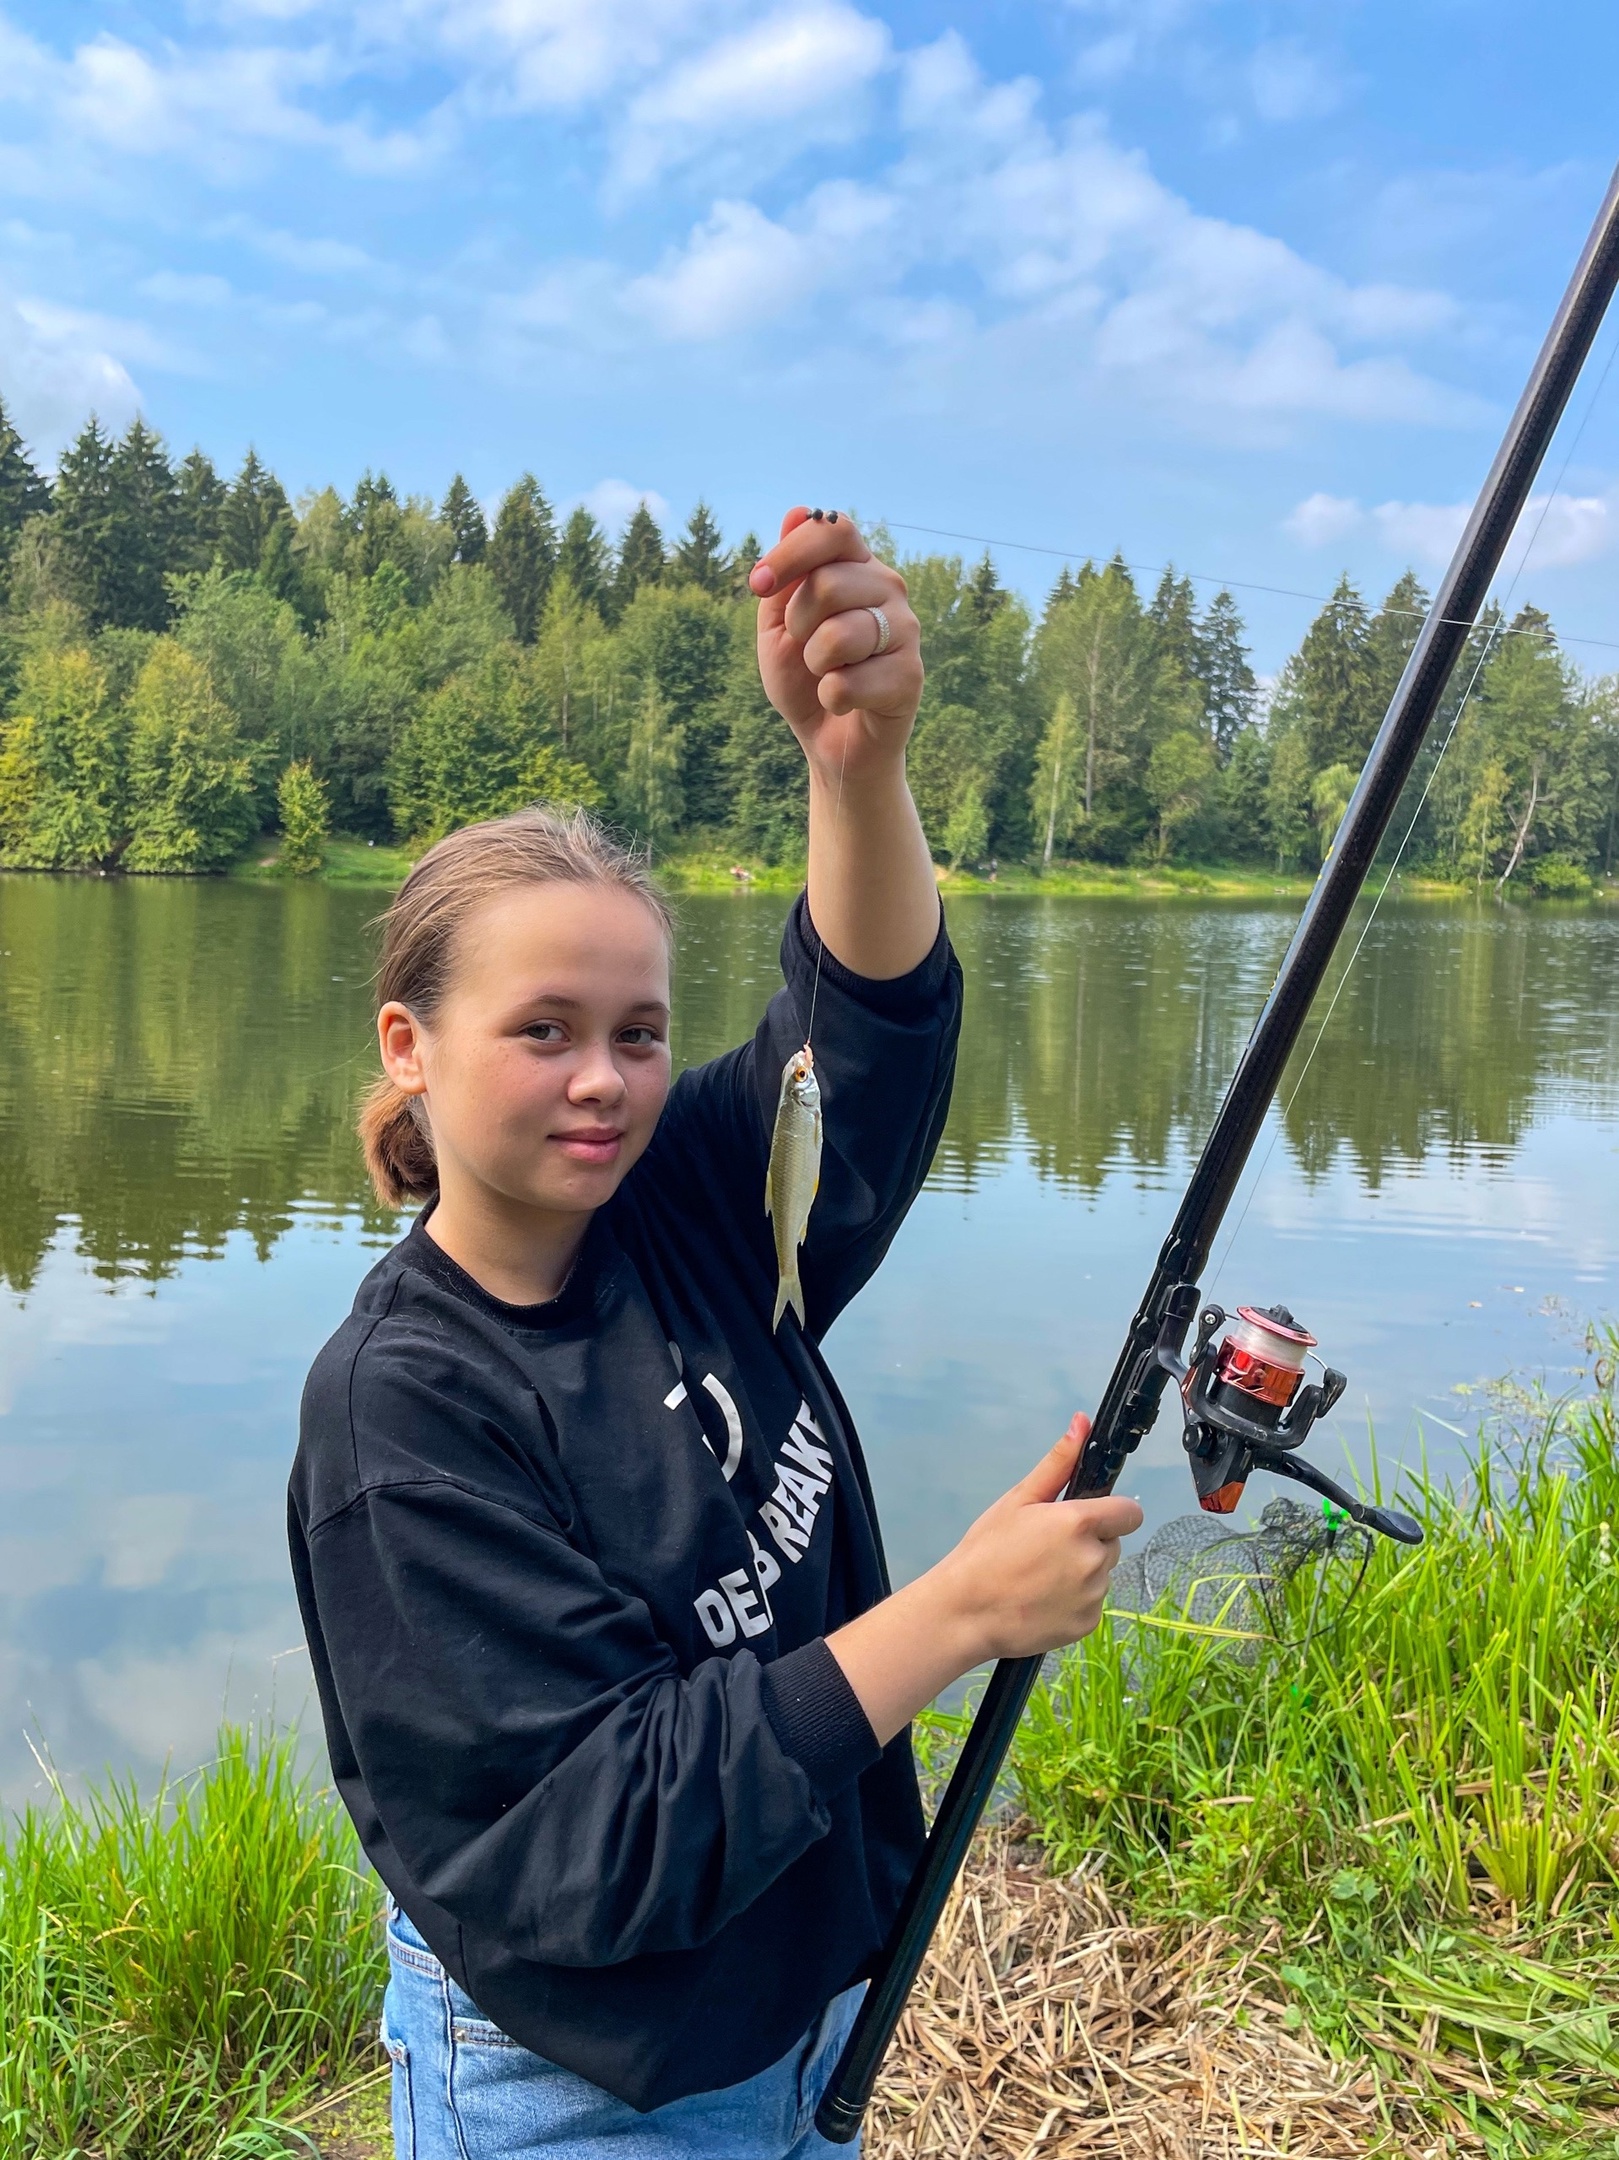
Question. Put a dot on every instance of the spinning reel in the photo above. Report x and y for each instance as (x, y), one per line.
(1247, 1407)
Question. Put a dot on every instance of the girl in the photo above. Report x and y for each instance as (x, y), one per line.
(613, 1683)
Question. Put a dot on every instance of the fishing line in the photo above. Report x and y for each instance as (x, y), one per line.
(1283, 592)
(820, 942)
(1491, 637)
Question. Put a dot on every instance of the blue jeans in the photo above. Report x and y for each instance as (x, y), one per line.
(462, 2090)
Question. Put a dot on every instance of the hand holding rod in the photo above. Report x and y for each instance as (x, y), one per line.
(1130, 1401)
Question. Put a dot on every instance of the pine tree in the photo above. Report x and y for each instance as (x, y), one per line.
(1173, 616)
(583, 557)
(24, 493)
(1220, 663)
(1390, 637)
(305, 820)
(144, 503)
(742, 562)
(640, 559)
(463, 514)
(765, 776)
(85, 521)
(985, 595)
(1328, 689)
(522, 555)
(254, 505)
(699, 557)
(198, 513)
(1098, 647)
(373, 521)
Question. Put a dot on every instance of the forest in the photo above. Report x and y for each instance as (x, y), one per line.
(189, 663)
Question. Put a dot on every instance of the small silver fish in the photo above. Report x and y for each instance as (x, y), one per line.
(794, 1175)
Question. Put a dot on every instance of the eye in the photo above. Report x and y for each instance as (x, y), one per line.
(640, 1037)
(546, 1031)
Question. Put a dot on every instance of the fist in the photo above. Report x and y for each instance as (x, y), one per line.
(850, 706)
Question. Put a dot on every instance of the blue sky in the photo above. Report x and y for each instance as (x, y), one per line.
(1247, 287)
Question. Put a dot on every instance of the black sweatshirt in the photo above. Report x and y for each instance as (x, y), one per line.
(567, 1571)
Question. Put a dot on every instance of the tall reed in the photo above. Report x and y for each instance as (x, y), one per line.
(178, 1976)
(1421, 1801)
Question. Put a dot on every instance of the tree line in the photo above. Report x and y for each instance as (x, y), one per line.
(187, 662)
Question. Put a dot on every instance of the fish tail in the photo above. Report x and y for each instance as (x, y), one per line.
(790, 1291)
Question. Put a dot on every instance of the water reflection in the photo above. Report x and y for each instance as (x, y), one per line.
(183, 1219)
(181, 1060)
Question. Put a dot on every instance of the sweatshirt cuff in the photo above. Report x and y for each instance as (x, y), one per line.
(901, 997)
(817, 1717)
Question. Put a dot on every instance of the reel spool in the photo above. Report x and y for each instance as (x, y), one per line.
(1247, 1406)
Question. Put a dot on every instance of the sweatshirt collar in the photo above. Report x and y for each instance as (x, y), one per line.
(419, 1251)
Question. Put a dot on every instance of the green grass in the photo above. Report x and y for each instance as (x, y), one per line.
(348, 862)
(1419, 1810)
(714, 868)
(181, 1978)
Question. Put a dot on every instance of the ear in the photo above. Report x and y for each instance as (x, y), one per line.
(401, 1041)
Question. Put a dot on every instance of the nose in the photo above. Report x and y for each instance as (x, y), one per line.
(596, 1077)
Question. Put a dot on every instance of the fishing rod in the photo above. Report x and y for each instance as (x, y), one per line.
(1245, 1404)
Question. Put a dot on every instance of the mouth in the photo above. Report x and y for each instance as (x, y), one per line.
(590, 1143)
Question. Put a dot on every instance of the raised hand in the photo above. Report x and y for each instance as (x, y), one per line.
(850, 705)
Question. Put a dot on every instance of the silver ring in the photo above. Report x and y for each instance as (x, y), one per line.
(885, 635)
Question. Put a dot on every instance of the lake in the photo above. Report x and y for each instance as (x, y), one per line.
(183, 1220)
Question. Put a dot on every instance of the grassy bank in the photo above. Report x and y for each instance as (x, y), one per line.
(710, 869)
(1419, 1808)
(348, 862)
(1398, 1842)
(181, 1979)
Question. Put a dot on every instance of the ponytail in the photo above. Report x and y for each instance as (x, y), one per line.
(398, 1147)
(538, 846)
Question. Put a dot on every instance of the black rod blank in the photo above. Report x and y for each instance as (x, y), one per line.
(1130, 1401)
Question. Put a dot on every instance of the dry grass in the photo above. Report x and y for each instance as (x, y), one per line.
(1046, 2025)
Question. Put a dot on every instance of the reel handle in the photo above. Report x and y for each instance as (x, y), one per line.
(1390, 1522)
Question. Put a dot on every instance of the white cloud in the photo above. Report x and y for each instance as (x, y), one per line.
(1554, 532)
(803, 68)
(995, 246)
(1427, 532)
(612, 503)
(1165, 303)
(549, 54)
(55, 366)
(738, 270)
(219, 109)
(991, 239)
(1321, 519)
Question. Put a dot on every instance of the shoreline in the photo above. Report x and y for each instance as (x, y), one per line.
(383, 867)
(711, 870)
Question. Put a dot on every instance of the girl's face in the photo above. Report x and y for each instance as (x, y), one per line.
(546, 1065)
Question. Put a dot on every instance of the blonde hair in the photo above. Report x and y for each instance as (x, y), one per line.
(538, 846)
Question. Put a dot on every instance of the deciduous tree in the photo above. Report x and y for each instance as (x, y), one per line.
(191, 794)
